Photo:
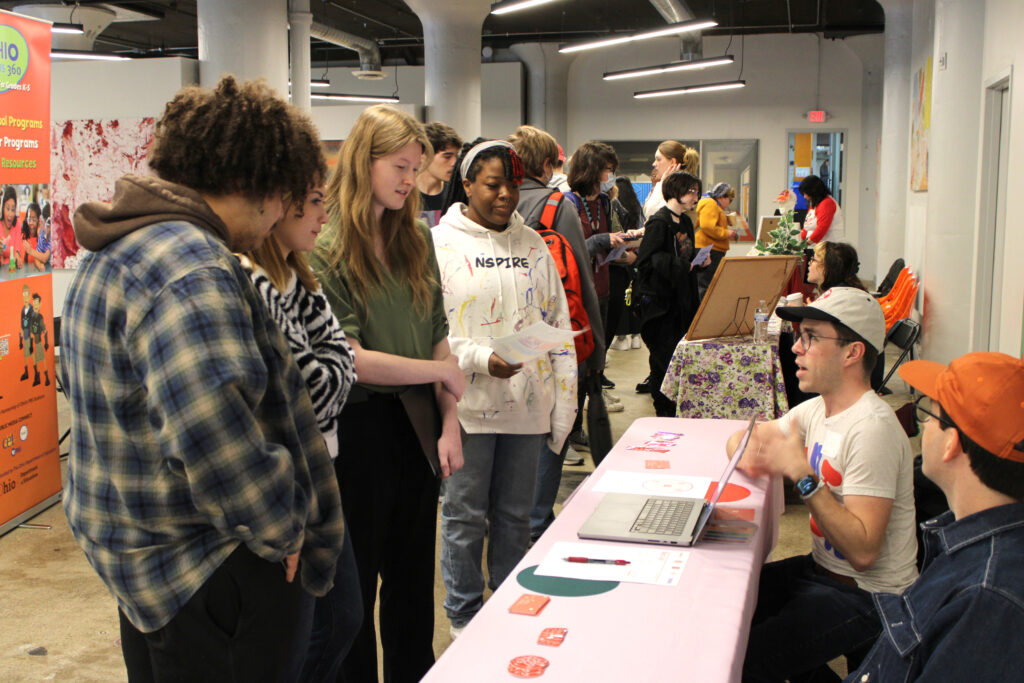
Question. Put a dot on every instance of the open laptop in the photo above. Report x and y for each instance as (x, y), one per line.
(665, 521)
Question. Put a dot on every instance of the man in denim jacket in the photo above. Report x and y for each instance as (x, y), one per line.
(963, 617)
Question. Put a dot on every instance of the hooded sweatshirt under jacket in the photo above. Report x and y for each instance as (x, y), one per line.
(495, 284)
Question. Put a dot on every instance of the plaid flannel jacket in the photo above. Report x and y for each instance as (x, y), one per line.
(192, 430)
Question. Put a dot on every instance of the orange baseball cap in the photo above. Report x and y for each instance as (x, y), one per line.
(983, 393)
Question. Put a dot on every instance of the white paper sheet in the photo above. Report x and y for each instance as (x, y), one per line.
(659, 566)
(530, 342)
(652, 483)
(699, 257)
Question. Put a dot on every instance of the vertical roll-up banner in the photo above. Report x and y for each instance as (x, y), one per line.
(29, 455)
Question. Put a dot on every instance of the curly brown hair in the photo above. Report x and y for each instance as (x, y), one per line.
(237, 138)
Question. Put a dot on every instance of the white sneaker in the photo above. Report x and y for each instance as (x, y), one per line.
(572, 457)
(636, 342)
(455, 631)
(611, 403)
(620, 343)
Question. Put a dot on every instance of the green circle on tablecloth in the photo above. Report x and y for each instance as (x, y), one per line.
(566, 588)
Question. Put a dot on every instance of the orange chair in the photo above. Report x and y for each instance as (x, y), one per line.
(901, 281)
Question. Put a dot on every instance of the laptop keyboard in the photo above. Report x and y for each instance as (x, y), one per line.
(663, 517)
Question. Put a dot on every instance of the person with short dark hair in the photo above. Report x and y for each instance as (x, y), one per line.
(665, 283)
(824, 218)
(852, 466)
(437, 172)
(198, 476)
(11, 247)
(961, 620)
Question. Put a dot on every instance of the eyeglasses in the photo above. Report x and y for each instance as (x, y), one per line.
(807, 338)
(923, 411)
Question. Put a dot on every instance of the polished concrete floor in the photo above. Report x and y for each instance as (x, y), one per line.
(59, 623)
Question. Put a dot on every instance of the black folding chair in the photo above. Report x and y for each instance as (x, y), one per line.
(890, 278)
(903, 334)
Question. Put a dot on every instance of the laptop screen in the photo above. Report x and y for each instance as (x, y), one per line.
(729, 469)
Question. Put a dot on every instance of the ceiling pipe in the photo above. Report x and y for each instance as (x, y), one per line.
(691, 46)
(369, 53)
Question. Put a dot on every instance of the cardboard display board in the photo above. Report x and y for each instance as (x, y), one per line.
(768, 223)
(732, 297)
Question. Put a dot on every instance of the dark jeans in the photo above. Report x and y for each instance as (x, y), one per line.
(618, 277)
(337, 618)
(389, 496)
(244, 624)
(803, 620)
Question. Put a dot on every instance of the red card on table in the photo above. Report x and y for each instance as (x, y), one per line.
(656, 464)
(529, 604)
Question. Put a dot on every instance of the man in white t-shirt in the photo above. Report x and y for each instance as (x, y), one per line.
(852, 465)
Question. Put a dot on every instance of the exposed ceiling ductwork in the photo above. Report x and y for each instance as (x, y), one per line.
(369, 53)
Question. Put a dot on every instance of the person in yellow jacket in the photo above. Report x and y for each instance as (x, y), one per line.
(713, 228)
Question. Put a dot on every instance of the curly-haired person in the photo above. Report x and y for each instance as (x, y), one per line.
(198, 476)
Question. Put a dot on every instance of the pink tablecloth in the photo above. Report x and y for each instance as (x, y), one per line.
(695, 631)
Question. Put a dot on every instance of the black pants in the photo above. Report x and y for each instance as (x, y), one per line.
(244, 624)
(706, 275)
(389, 496)
(618, 279)
(661, 334)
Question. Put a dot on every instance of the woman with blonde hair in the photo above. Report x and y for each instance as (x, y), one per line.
(671, 156)
(377, 266)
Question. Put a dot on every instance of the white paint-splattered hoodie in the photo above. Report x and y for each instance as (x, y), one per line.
(495, 284)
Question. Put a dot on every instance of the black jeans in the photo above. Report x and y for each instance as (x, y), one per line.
(661, 335)
(706, 275)
(389, 495)
(803, 620)
(244, 624)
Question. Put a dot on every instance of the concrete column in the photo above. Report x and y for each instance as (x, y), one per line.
(300, 19)
(894, 155)
(248, 42)
(451, 36)
(547, 77)
(949, 250)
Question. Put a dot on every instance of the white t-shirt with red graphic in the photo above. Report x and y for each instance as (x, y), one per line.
(863, 451)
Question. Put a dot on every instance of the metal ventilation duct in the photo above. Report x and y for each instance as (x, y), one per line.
(369, 53)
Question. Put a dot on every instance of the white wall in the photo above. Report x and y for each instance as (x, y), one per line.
(917, 202)
(501, 97)
(781, 75)
(1003, 50)
(112, 90)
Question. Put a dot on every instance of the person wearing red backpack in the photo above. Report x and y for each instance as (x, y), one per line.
(537, 201)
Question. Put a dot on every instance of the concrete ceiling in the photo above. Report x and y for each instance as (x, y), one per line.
(168, 27)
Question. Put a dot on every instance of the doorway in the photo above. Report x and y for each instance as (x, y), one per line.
(817, 153)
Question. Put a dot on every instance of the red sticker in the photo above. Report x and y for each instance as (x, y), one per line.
(731, 494)
(527, 666)
(656, 464)
(552, 637)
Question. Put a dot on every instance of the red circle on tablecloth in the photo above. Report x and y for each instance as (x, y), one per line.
(731, 494)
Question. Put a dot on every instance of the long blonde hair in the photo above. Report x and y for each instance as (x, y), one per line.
(268, 256)
(348, 239)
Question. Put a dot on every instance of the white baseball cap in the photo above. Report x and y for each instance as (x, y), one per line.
(849, 306)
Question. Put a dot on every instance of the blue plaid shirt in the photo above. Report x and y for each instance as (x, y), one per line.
(192, 430)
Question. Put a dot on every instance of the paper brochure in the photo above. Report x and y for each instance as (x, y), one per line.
(530, 342)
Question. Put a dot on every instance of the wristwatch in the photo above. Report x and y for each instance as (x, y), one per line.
(808, 486)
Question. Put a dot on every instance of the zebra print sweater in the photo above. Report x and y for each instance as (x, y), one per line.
(318, 343)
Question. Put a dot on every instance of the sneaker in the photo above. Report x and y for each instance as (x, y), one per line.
(612, 404)
(609, 397)
(455, 631)
(572, 457)
(645, 386)
(579, 441)
(636, 342)
(607, 383)
(620, 343)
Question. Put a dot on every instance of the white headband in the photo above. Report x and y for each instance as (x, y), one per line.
(467, 162)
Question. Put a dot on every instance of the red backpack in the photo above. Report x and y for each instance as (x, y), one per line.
(569, 272)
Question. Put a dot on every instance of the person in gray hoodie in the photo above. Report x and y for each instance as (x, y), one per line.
(198, 476)
(539, 152)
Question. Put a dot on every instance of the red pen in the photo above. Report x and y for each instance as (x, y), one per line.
(594, 560)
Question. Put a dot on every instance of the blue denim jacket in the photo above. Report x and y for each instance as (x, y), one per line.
(963, 618)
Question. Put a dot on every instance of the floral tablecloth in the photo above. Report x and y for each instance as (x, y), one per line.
(726, 378)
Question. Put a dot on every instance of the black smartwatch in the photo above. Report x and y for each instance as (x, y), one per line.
(808, 486)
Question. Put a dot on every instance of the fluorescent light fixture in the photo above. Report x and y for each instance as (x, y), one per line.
(670, 30)
(353, 98)
(685, 90)
(62, 27)
(670, 67)
(507, 6)
(85, 54)
(316, 83)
